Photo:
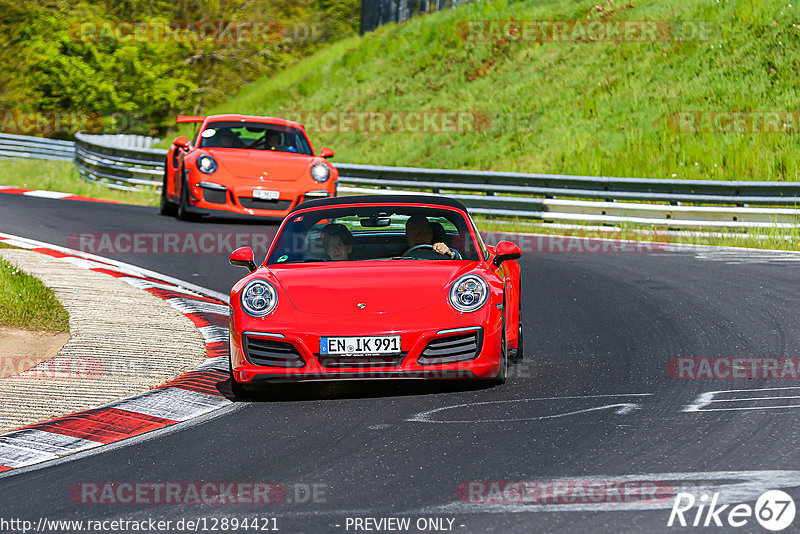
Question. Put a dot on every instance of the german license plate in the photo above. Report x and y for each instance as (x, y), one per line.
(264, 194)
(360, 346)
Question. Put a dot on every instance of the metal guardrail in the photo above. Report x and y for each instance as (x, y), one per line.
(119, 167)
(24, 146)
(560, 198)
(548, 197)
(126, 140)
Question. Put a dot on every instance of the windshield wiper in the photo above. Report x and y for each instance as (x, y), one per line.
(406, 258)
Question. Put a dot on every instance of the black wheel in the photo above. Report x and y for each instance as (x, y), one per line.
(183, 212)
(520, 354)
(502, 373)
(236, 388)
(168, 207)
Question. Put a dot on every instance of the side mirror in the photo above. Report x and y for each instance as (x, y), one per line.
(243, 257)
(326, 152)
(506, 250)
(182, 142)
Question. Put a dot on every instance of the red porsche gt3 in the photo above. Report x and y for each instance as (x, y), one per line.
(377, 286)
(244, 165)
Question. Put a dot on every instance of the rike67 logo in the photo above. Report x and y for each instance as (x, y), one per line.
(774, 510)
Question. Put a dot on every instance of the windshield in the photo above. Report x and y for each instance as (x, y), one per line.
(361, 233)
(255, 136)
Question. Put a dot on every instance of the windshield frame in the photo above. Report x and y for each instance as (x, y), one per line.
(284, 128)
(475, 242)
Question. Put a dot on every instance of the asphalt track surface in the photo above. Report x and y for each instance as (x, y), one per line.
(592, 401)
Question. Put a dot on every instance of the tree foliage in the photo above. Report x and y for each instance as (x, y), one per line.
(84, 55)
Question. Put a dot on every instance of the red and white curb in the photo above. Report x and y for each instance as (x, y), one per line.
(188, 396)
(8, 189)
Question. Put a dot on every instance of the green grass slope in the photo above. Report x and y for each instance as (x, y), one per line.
(25, 302)
(598, 108)
(63, 176)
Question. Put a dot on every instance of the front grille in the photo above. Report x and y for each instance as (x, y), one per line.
(389, 360)
(258, 204)
(271, 352)
(215, 196)
(451, 349)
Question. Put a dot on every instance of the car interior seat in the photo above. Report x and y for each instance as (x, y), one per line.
(439, 234)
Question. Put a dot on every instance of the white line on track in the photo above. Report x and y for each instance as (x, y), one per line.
(620, 409)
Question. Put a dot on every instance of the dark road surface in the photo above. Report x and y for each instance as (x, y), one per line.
(592, 403)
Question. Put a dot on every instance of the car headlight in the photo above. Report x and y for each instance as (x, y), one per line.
(469, 293)
(206, 164)
(258, 298)
(320, 172)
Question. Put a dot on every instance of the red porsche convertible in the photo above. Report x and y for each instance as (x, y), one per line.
(244, 165)
(377, 286)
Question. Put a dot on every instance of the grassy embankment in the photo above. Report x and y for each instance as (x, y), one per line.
(592, 108)
(587, 108)
(63, 176)
(26, 303)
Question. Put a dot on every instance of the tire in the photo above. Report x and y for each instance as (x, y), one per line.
(168, 207)
(502, 373)
(520, 354)
(236, 388)
(183, 213)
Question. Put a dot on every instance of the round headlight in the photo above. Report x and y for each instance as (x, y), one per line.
(206, 164)
(320, 172)
(259, 298)
(469, 293)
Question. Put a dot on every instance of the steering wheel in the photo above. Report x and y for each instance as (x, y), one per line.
(424, 252)
(260, 141)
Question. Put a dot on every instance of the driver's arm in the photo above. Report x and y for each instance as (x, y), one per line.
(444, 250)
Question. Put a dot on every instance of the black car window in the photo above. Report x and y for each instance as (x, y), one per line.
(372, 233)
(255, 136)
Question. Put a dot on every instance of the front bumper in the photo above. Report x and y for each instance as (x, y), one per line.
(425, 354)
(207, 197)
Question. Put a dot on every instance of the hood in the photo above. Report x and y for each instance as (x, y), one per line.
(253, 163)
(386, 286)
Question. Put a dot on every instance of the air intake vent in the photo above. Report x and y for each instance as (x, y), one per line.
(258, 204)
(271, 352)
(450, 349)
(215, 196)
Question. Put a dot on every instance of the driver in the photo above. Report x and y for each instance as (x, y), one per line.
(337, 241)
(226, 138)
(273, 140)
(419, 231)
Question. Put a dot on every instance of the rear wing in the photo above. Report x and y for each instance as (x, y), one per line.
(183, 119)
